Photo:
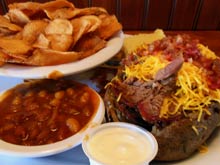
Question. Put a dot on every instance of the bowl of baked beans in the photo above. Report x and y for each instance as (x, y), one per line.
(45, 117)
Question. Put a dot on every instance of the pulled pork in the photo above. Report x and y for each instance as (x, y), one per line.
(147, 97)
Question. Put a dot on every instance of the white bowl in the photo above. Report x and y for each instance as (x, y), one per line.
(57, 147)
(119, 143)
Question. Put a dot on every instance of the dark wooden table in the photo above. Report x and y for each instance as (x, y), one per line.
(208, 38)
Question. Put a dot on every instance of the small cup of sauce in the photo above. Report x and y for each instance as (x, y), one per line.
(119, 143)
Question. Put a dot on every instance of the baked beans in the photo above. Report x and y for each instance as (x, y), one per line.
(45, 111)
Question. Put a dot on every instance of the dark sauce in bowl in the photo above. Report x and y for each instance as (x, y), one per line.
(45, 111)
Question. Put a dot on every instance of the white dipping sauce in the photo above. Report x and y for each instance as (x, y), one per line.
(120, 146)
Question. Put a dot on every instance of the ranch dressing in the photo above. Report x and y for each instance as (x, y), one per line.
(120, 146)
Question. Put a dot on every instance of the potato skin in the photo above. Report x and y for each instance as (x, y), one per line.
(178, 140)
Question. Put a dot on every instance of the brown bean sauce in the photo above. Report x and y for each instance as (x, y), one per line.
(45, 111)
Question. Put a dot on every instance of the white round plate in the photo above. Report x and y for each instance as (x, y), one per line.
(54, 148)
(21, 71)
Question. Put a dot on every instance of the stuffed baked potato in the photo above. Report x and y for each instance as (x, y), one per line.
(171, 87)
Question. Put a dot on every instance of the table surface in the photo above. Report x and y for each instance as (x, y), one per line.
(76, 156)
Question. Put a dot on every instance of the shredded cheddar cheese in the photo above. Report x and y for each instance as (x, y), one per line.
(193, 93)
(206, 52)
(146, 67)
(119, 97)
(195, 130)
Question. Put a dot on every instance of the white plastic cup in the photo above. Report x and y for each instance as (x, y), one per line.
(118, 143)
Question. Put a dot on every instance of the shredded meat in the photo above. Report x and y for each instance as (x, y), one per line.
(146, 97)
(150, 106)
(170, 69)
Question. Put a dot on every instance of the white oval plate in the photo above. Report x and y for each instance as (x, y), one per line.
(55, 148)
(21, 71)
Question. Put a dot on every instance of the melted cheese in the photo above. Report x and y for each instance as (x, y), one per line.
(131, 43)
